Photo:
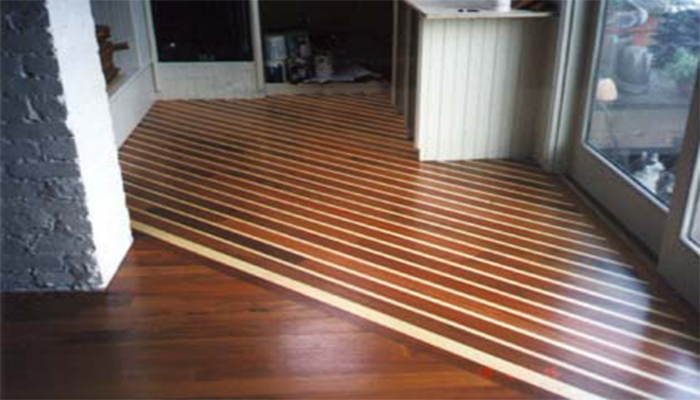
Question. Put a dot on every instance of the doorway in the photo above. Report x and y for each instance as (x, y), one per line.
(637, 144)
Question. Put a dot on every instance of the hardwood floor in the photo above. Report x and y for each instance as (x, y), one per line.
(170, 326)
(491, 261)
(493, 264)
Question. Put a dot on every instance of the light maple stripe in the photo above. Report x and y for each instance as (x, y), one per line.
(347, 118)
(486, 259)
(529, 287)
(257, 140)
(223, 114)
(416, 196)
(228, 167)
(501, 165)
(173, 142)
(237, 103)
(427, 336)
(554, 269)
(335, 216)
(587, 244)
(255, 116)
(457, 183)
(310, 136)
(427, 176)
(433, 271)
(503, 197)
(554, 361)
(197, 144)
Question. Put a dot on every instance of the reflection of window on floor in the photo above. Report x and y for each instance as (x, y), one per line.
(648, 61)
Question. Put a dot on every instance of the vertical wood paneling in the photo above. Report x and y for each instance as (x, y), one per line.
(448, 95)
(482, 88)
(426, 138)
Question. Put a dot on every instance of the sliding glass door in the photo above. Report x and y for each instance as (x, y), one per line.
(644, 67)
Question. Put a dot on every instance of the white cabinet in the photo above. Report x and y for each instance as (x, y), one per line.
(482, 79)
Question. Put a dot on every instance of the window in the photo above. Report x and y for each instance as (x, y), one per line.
(645, 77)
(206, 30)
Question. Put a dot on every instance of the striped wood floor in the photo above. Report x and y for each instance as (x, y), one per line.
(491, 261)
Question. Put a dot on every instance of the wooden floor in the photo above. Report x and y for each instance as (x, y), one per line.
(493, 263)
(170, 326)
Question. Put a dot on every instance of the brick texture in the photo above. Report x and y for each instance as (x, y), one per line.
(45, 234)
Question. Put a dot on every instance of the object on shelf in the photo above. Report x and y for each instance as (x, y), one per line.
(288, 57)
(503, 5)
(532, 5)
(350, 73)
(275, 71)
(275, 47)
(107, 49)
(324, 67)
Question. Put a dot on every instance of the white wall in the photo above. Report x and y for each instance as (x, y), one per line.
(131, 102)
(206, 80)
(89, 119)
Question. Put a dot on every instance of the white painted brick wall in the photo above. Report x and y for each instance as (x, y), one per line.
(88, 118)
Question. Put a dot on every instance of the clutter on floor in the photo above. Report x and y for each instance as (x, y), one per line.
(295, 57)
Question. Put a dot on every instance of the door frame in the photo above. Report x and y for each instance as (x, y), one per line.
(679, 261)
(638, 211)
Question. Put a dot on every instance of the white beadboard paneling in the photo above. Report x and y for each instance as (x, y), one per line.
(483, 87)
(206, 80)
(130, 103)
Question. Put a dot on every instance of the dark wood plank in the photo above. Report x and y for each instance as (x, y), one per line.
(171, 326)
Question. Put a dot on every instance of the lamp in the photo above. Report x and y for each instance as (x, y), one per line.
(606, 91)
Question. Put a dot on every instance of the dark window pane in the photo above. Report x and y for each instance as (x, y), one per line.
(202, 30)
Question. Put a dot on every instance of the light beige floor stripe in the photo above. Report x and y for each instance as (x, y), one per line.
(217, 131)
(369, 314)
(555, 386)
(319, 139)
(308, 136)
(555, 269)
(253, 113)
(441, 194)
(575, 231)
(498, 265)
(434, 285)
(615, 314)
(571, 240)
(174, 142)
(333, 116)
(224, 122)
(566, 249)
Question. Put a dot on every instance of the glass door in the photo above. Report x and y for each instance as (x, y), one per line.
(644, 67)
